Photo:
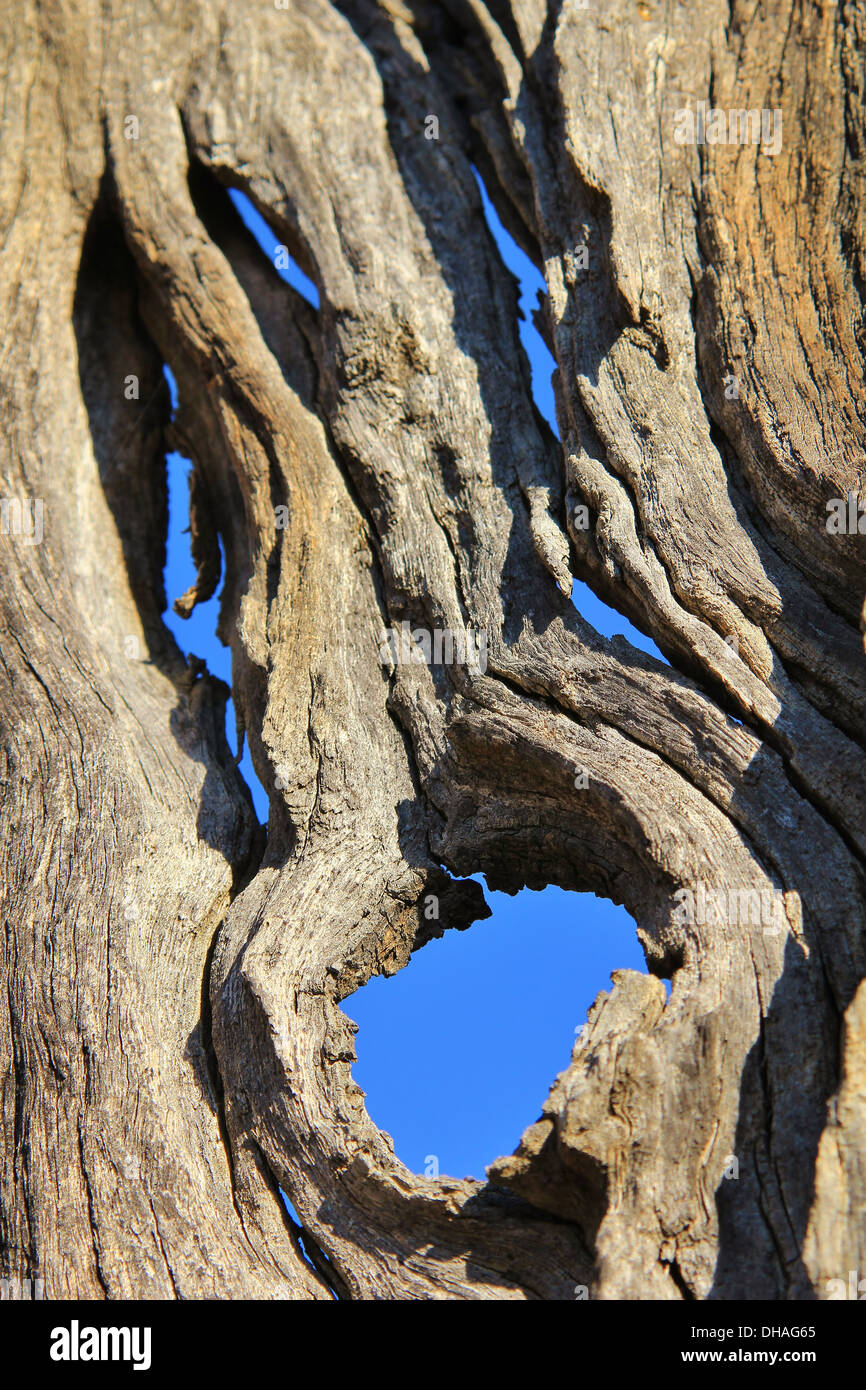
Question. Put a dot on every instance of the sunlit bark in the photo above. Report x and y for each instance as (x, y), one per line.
(172, 1041)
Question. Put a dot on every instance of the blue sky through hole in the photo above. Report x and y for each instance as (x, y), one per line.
(603, 618)
(491, 1013)
(304, 1238)
(270, 244)
(197, 634)
(458, 1050)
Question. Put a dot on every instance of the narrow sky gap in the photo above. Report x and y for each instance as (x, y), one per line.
(609, 622)
(299, 1223)
(285, 266)
(197, 634)
(604, 619)
(541, 364)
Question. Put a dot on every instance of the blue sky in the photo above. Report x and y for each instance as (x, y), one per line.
(457, 1051)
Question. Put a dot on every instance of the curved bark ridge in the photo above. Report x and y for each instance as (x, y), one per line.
(376, 469)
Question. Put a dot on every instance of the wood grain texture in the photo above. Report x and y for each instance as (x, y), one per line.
(175, 1032)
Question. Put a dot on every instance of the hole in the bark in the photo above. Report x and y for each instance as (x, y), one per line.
(277, 253)
(604, 619)
(457, 1051)
(197, 633)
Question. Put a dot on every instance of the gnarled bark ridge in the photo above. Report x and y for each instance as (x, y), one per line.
(174, 1049)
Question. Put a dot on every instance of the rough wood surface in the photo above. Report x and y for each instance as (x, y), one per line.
(174, 1041)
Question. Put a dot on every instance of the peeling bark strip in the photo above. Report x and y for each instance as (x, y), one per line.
(173, 1045)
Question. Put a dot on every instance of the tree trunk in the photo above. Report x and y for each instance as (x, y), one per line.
(172, 1040)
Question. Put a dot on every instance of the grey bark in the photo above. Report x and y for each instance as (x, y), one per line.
(173, 1046)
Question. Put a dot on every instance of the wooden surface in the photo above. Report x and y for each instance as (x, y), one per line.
(172, 1043)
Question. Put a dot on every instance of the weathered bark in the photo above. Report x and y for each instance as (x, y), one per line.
(172, 1039)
